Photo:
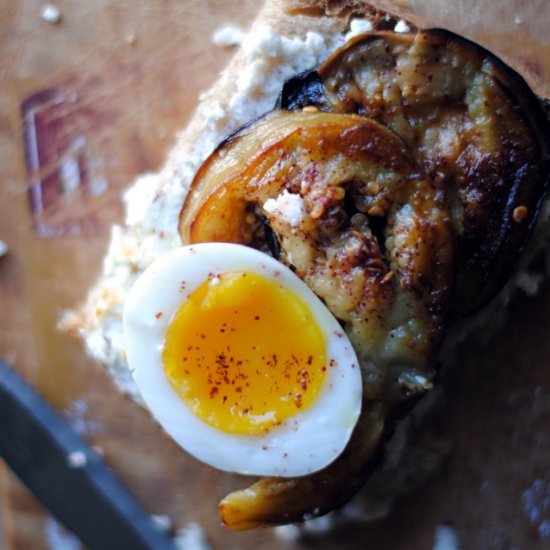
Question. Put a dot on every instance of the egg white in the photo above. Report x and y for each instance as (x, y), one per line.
(304, 443)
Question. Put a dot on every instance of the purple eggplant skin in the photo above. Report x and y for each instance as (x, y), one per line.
(303, 90)
(499, 193)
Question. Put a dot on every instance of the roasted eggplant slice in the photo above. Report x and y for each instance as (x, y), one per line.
(400, 183)
(275, 501)
(470, 121)
(389, 287)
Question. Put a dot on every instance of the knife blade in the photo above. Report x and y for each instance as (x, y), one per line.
(67, 476)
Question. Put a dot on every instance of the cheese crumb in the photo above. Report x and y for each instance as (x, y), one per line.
(401, 26)
(289, 206)
(51, 14)
(228, 35)
(358, 26)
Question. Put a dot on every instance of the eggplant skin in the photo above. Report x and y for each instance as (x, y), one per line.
(303, 90)
(433, 88)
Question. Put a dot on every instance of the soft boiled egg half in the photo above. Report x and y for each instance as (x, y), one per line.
(240, 362)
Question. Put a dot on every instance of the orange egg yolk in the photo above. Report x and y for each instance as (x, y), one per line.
(245, 353)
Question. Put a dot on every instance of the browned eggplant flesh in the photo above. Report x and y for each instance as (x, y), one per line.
(472, 124)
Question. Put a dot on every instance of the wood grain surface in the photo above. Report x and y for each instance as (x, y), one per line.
(126, 75)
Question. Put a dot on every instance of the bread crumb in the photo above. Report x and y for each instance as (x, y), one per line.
(520, 213)
(51, 14)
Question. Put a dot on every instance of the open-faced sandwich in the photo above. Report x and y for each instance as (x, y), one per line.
(346, 194)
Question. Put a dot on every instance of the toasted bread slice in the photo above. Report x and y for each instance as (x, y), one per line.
(288, 38)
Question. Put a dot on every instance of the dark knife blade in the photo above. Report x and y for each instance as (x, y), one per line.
(68, 477)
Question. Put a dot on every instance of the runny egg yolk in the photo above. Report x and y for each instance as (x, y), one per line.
(245, 353)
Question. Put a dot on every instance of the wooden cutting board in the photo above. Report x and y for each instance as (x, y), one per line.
(114, 81)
